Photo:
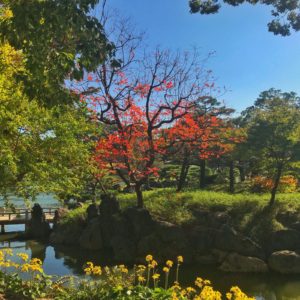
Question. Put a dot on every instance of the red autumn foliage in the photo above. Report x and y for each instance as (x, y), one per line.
(136, 112)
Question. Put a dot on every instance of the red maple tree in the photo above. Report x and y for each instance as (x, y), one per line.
(136, 110)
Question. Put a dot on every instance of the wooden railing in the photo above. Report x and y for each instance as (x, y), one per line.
(22, 215)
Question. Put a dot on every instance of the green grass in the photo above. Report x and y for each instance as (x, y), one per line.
(247, 211)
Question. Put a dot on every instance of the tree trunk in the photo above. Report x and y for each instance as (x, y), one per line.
(242, 173)
(183, 172)
(202, 174)
(276, 184)
(231, 176)
(139, 195)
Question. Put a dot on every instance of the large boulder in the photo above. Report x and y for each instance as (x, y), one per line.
(59, 214)
(286, 262)
(202, 239)
(288, 239)
(109, 205)
(37, 227)
(67, 234)
(91, 237)
(92, 212)
(140, 220)
(212, 219)
(238, 263)
(169, 232)
(124, 249)
(227, 239)
(149, 244)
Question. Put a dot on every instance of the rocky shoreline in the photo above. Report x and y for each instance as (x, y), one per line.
(132, 233)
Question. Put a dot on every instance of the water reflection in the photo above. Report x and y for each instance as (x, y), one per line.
(64, 261)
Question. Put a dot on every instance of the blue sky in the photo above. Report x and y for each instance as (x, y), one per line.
(248, 58)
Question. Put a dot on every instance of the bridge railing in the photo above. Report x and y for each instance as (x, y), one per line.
(19, 212)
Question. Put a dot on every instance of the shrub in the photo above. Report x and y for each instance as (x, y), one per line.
(261, 184)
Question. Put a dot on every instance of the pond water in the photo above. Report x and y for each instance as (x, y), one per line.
(64, 261)
(46, 200)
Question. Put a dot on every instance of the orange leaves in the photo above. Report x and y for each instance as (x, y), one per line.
(201, 134)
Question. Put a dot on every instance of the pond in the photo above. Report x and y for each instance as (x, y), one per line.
(64, 261)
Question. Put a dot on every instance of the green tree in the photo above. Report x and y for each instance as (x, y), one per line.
(59, 40)
(273, 133)
(41, 149)
(285, 12)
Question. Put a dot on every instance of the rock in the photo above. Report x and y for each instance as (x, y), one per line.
(141, 221)
(287, 217)
(150, 244)
(67, 235)
(228, 239)
(109, 205)
(211, 219)
(295, 226)
(288, 239)
(58, 216)
(208, 259)
(124, 249)
(286, 262)
(91, 238)
(169, 232)
(237, 263)
(219, 255)
(121, 226)
(37, 227)
(92, 212)
(202, 239)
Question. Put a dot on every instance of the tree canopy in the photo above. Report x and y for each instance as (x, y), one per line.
(59, 40)
(285, 12)
(273, 126)
(41, 149)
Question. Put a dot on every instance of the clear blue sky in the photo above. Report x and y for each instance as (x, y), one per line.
(248, 58)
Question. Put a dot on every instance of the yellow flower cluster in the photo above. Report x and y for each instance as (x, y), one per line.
(236, 294)
(92, 270)
(6, 14)
(119, 276)
(34, 265)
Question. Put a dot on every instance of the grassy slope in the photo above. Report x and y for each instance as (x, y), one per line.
(246, 210)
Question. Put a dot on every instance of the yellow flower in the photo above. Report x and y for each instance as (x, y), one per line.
(42, 21)
(97, 270)
(166, 270)
(8, 251)
(90, 264)
(207, 282)
(174, 296)
(141, 279)
(23, 256)
(229, 296)
(7, 14)
(155, 276)
(199, 282)
(190, 290)
(176, 286)
(141, 268)
(87, 271)
(124, 270)
(36, 261)
(25, 268)
(169, 263)
(149, 258)
(179, 259)
(154, 263)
